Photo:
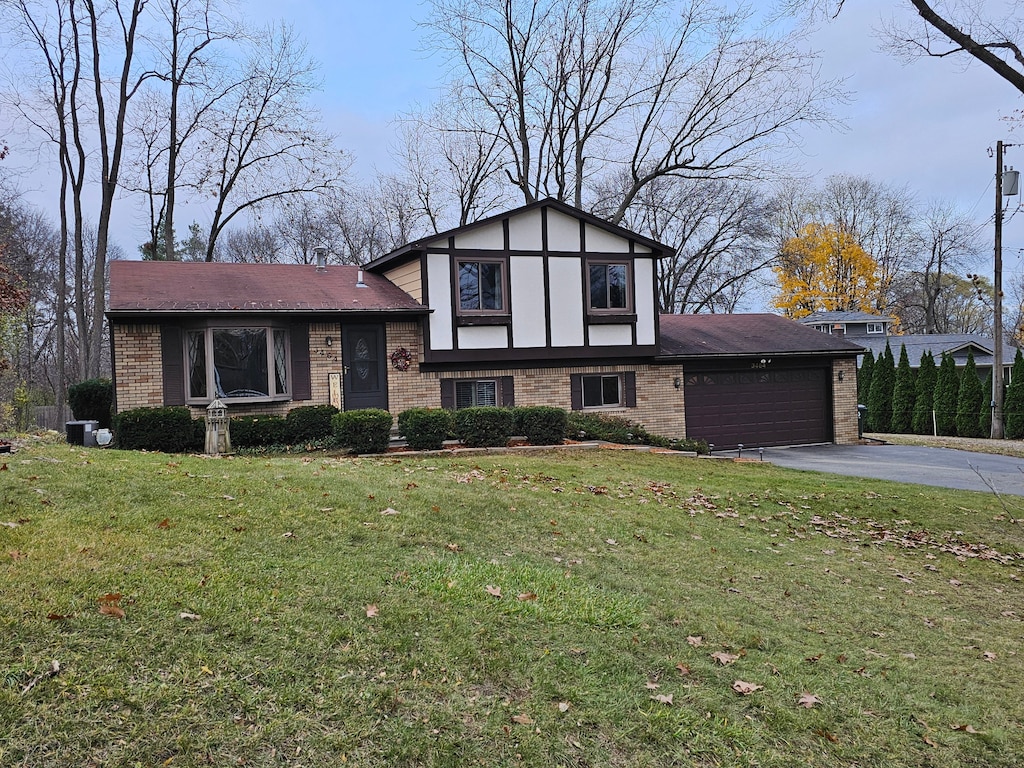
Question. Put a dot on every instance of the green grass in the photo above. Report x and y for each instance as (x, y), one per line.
(899, 607)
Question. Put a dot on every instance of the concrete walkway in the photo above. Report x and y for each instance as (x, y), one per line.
(941, 467)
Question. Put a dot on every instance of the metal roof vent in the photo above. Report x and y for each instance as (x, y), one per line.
(320, 252)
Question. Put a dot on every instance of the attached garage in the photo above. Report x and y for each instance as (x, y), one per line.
(761, 380)
(759, 407)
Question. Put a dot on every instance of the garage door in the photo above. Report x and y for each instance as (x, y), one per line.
(759, 407)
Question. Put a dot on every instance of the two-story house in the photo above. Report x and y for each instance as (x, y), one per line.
(541, 305)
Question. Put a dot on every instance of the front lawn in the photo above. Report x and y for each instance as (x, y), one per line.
(591, 608)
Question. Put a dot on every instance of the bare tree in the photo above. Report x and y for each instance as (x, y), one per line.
(264, 141)
(576, 91)
(721, 230)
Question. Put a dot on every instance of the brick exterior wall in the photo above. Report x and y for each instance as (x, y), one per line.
(844, 400)
(137, 367)
(139, 380)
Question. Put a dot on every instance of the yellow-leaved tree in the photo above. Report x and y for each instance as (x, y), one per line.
(823, 269)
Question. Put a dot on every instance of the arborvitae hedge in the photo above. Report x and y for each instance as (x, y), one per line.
(985, 416)
(925, 386)
(1013, 403)
(968, 401)
(903, 395)
(947, 385)
(883, 381)
(867, 366)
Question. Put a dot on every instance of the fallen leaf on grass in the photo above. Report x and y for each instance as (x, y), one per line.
(493, 591)
(522, 719)
(663, 698)
(389, 511)
(744, 688)
(453, 547)
(16, 554)
(371, 611)
(928, 741)
(724, 658)
(808, 700)
(112, 610)
(563, 706)
(165, 523)
(525, 596)
(695, 640)
(988, 656)
(57, 617)
(965, 728)
(826, 735)
(650, 685)
(683, 669)
(186, 616)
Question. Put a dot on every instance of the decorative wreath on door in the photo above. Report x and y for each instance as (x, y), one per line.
(401, 359)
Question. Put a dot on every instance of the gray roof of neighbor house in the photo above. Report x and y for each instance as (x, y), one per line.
(956, 343)
(745, 335)
(173, 287)
(843, 317)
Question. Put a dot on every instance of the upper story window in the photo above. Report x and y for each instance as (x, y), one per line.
(876, 327)
(237, 363)
(824, 328)
(482, 286)
(610, 287)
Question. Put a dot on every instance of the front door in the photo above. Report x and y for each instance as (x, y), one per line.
(365, 375)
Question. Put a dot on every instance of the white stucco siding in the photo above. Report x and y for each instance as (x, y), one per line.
(611, 335)
(599, 241)
(566, 305)
(643, 298)
(563, 232)
(641, 249)
(489, 238)
(529, 316)
(439, 298)
(524, 232)
(483, 337)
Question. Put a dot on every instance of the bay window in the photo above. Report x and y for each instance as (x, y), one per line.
(237, 363)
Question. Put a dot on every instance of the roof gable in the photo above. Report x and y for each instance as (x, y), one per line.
(566, 226)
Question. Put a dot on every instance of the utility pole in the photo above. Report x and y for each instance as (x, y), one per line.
(997, 303)
(1012, 178)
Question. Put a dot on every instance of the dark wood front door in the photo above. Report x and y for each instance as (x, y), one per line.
(365, 373)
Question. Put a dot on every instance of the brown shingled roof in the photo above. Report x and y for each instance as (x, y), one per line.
(745, 335)
(172, 287)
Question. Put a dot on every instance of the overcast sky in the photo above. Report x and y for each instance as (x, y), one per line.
(927, 125)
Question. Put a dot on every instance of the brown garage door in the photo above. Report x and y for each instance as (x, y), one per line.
(759, 407)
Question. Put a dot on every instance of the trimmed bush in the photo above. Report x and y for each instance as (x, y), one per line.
(541, 424)
(595, 426)
(92, 400)
(171, 430)
(257, 431)
(484, 426)
(362, 431)
(425, 429)
(309, 423)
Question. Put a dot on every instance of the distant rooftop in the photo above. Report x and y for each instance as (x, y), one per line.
(817, 318)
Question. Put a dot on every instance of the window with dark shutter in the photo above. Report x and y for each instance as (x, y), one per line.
(302, 386)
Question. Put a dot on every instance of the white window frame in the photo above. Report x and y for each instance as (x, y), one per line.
(875, 328)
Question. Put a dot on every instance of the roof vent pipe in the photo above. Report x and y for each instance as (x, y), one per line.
(359, 280)
(320, 252)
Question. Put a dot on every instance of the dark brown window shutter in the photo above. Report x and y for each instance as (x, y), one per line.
(172, 353)
(508, 391)
(302, 385)
(576, 391)
(629, 384)
(448, 394)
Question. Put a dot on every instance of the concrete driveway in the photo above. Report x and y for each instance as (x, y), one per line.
(942, 467)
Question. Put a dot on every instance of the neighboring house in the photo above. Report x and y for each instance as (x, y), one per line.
(542, 305)
(872, 332)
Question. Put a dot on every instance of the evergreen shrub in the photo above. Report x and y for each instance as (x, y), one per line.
(92, 400)
(309, 423)
(541, 424)
(484, 426)
(170, 429)
(363, 431)
(425, 429)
